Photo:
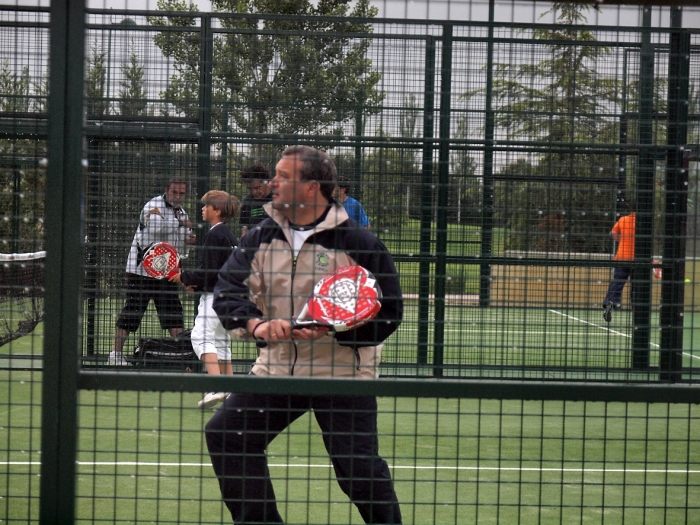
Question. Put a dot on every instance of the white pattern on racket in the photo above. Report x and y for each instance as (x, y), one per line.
(341, 301)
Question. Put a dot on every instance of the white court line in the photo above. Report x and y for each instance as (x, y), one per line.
(526, 332)
(615, 332)
(592, 324)
(396, 467)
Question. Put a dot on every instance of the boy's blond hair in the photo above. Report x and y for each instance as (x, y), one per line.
(221, 201)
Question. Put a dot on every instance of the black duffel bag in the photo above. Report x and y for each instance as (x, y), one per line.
(166, 355)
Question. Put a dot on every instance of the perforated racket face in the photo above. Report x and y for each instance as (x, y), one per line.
(346, 299)
(161, 261)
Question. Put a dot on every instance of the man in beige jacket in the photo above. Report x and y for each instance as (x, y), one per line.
(261, 289)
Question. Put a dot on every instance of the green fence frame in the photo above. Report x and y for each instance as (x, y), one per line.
(62, 373)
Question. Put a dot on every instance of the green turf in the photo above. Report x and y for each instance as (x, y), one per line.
(142, 459)
(535, 342)
(488, 342)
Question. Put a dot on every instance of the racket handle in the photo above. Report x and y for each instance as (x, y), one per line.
(299, 325)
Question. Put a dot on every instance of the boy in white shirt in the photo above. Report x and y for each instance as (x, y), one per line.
(210, 341)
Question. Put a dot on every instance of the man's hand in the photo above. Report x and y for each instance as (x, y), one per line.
(177, 278)
(277, 330)
(271, 331)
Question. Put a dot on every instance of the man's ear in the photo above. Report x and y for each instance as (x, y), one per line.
(313, 188)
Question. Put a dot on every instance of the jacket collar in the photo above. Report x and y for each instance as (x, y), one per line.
(335, 216)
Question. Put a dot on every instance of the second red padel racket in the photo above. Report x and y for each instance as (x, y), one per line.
(161, 260)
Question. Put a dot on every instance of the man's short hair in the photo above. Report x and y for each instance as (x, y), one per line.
(255, 172)
(175, 180)
(315, 165)
(221, 201)
(344, 183)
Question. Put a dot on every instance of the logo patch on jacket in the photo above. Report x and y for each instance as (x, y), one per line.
(322, 261)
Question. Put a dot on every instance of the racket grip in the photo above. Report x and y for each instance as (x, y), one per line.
(299, 325)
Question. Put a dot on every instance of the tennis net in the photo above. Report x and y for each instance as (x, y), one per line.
(21, 294)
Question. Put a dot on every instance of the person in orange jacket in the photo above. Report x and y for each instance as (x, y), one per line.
(623, 234)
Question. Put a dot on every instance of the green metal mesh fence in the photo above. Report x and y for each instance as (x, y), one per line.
(493, 152)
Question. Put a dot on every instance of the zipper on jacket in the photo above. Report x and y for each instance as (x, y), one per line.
(291, 298)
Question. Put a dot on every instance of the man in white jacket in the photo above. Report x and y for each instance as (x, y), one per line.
(162, 220)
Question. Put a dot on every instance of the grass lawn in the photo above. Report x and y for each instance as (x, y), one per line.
(495, 341)
(141, 455)
(142, 459)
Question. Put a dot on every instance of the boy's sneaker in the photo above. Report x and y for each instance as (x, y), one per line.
(116, 359)
(607, 312)
(211, 399)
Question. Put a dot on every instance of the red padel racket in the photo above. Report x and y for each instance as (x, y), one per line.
(161, 260)
(341, 301)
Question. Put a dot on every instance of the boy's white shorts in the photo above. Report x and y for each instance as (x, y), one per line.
(208, 334)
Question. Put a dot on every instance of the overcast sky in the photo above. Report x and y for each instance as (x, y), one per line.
(457, 10)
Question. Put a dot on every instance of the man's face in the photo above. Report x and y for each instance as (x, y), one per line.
(287, 189)
(259, 189)
(176, 192)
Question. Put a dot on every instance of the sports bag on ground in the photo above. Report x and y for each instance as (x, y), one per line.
(167, 355)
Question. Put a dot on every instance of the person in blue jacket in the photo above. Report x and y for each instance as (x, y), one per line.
(351, 205)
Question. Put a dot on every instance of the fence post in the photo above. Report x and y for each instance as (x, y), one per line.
(205, 100)
(673, 286)
(91, 235)
(641, 275)
(442, 198)
(487, 181)
(62, 275)
(426, 202)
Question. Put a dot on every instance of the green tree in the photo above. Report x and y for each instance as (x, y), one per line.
(564, 101)
(96, 82)
(465, 187)
(560, 98)
(132, 92)
(391, 186)
(14, 89)
(22, 178)
(40, 101)
(407, 159)
(273, 75)
(408, 118)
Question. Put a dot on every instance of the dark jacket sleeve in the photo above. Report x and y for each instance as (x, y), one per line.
(231, 293)
(371, 254)
(218, 245)
(244, 213)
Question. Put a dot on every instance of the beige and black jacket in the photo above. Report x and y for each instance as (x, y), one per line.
(262, 279)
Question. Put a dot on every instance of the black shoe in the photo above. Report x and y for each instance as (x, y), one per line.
(607, 312)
